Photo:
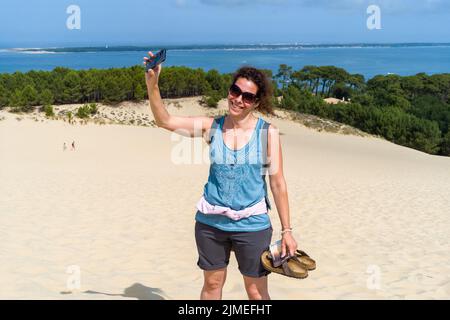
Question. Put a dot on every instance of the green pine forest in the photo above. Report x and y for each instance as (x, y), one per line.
(412, 111)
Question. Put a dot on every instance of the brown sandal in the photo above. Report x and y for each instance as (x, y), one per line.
(306, 259)
(291, 267)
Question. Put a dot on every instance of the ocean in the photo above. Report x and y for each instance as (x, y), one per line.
(366, 59)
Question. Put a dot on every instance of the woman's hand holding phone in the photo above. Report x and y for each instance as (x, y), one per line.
(152, 75)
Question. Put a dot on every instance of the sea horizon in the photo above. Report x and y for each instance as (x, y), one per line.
(277, 45)
(368, 59)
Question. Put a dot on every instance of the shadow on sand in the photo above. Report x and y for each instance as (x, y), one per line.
(137, 291)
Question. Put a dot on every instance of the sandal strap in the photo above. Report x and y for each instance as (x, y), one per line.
(302, 253)
(295, 258)
(287, 270)
(284, 260)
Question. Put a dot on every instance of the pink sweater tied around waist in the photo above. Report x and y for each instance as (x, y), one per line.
(206, 208)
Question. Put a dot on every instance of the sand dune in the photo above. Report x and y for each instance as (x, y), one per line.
(374, 215)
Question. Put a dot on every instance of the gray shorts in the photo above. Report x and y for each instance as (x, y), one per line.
(214, 246)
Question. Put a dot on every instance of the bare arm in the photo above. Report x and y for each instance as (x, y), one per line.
(279, 189)
(187, 126)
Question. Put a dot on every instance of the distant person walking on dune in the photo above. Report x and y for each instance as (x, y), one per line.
(232, 213)
(73, 145)
(64, 146)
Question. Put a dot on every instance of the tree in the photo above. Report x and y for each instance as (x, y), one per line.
(425, 136)
(284, 75)
(412, 87)
(432, 108)
(441, 84)
(139, 93)
(445, 145)
(387, 91)
(214, 79)
(71, 88)
(340, 91)
(212, 99)
(46, 98)
(88, 86)
(291, 98)
(17, 101)
(302, 101)
(30, 97)
(3, 97)
(323, 79)
(111, 90)
(356, 82)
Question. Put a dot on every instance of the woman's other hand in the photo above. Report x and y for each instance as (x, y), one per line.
(288, 244)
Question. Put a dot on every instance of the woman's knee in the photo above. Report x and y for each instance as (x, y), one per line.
(255, 293)
(215, 279)
(256, 288)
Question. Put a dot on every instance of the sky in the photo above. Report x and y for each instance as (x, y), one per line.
(43, 23)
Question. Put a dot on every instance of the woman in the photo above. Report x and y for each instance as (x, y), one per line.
(232, 213)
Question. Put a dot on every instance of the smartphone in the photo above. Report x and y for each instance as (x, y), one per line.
(159, 58)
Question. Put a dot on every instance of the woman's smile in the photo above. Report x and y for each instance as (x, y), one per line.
(236, 107)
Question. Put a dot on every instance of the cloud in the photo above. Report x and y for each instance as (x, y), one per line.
(387, 5)
(180, 3)
(243, 2)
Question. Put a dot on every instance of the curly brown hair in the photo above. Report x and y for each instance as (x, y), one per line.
(263, 83)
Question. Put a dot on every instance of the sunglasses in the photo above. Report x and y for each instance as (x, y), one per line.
(247, 97)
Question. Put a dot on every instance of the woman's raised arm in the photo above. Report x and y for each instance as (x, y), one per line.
(187, 126)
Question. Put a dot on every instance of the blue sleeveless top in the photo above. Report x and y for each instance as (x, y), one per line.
(236, 180)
